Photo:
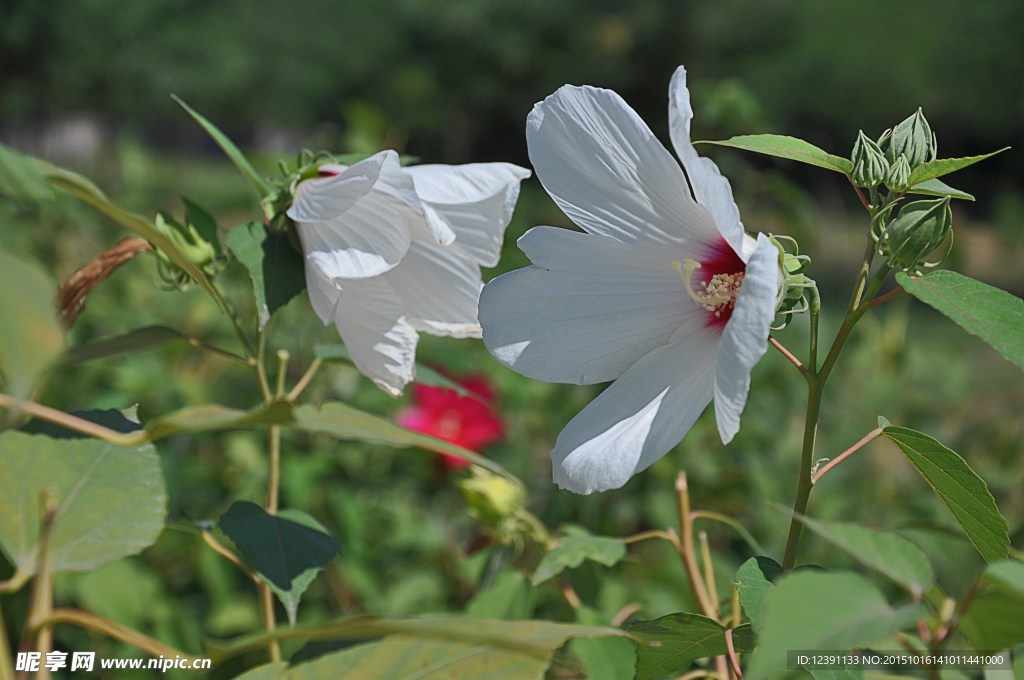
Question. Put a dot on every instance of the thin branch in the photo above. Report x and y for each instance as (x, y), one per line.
(570, 594)
(729, 521)
(84, 619)
(816, 477)
(686, 550)
(732, 654)
(888, 296)
(230, 556)
(304, 380)
(860, 194)
(625, 613)
(709, 573)
(789, 355)
(74, 422)
(199, 344)
(644, 535)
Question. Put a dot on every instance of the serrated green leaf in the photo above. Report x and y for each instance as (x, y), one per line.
(787, 147)
(956, 484)
(992, 314)
(812, 609)
(31, 336)
(425, 375)
(278, 548)
(212, 417)
(346, 423)
(1007, 577)
(884, 551)
(934, 187)
(994, 622)
(683, 639)
(574, 549)
(111, 501)
(23, 178)
(753, 580)
(944, 166)
(90, 194)
(134, 341)
(229, 148)
(277, 270)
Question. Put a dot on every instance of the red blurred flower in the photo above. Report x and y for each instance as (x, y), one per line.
(462, 420)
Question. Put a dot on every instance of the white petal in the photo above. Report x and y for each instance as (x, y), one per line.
(638, 419)
(712, 190)
(439, 287)
(589, 308)
(607, 171)
(323, 198)
(745, 338)
(395, 180)
(476, 200)
(370, 318)
(368, 239)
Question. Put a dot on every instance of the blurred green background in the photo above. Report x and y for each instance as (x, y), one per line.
(86, 83)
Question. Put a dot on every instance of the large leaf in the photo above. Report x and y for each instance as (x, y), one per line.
(23, 178)
(31, 336)
(994, 622)
(964, 492)
(229, 148)
(211, 417)
(992, 314)
(753, 580)
(788, 147)
(291, 596)
(89, 193)
(346, 423)
(944, 166)
(276, 547)
(574, 549)
(1006, 577)
(112, 501)
(819, 610)
(934, 187)
(134, 341)
(536, 639)
(275, 267)
(606, 658)
(683, 638)
(884, 551)
(425, 375)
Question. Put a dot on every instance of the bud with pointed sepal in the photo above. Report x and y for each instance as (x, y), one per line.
(898, 176)
(913, 139)
(869, 164)
(918, 230)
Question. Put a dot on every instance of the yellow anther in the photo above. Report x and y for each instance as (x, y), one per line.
(719, 294)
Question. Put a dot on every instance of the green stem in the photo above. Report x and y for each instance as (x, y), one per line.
(261, 367)
(113, 630)
(803, 490)
(304, 380)
(282, 370)
(6, 665)
(227, 306)
(815, 310)
(42, 588)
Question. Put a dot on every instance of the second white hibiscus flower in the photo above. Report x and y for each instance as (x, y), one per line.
(665, 294)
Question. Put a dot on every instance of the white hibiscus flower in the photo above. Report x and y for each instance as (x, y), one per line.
(663, 294)
(391, 251)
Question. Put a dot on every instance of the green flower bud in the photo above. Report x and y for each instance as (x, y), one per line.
(898, 176)
(869, 165)
(918, 230)
(912, 138)
(490, 497)
(194, 247)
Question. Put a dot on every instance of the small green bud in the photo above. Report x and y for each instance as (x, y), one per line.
(869, 165)
(918, 230)
(912, 138)
(898, 176)
(194, 247)
(490, 497)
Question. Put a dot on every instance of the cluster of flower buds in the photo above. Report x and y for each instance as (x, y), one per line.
(918, 230)
(196, 239)
(894, 156)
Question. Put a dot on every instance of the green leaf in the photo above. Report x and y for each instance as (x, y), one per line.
(425, 375)
(346, 423)
(884, 551)
(111, 501)
(1006, 577)
(934, 187)
(23, 178)
(210, 417)
(229, 148)
(134, 341)
(607, 658)
(753, 580)
(203, 222)
(992, 314)
(964, 492)
(683, 639)
(510, 598)
(883, 422)
(944, 166)
(994, 622)
(819, 610)
(277, 270)
(536, 639)
(31, 336)
(275, 670)
(111, 419)
(574, 549)
(278, 548)
(788, 147)
(290, 598)
(90, 194)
